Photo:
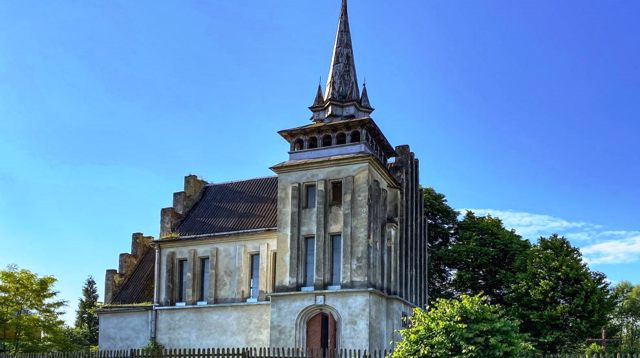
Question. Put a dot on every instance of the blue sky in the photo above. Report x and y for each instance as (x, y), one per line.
(529, 110)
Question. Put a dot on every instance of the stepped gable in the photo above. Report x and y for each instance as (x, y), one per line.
(138, 287)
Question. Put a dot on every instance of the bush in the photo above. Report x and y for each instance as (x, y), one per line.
(467, 327)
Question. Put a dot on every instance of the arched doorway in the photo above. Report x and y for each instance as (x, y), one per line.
(321, 332)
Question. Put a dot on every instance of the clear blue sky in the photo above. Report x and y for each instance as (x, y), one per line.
(528, 109)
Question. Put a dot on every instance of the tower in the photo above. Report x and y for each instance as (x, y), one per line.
(351, 234)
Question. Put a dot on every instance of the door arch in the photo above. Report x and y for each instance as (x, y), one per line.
(312, 318)
(321, 332)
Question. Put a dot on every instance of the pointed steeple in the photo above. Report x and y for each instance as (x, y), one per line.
(342, 83)
(319, 101)
(342, 96)
(364, 100)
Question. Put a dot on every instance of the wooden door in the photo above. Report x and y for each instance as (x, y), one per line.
(321, 333)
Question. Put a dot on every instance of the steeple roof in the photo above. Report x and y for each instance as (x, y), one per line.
(342, 83)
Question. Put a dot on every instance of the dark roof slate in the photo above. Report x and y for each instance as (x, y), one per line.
(231, 207)
(138, 287)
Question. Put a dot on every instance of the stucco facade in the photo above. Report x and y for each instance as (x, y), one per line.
(330, 253)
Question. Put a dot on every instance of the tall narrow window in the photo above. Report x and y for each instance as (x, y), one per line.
(273, 278)
(310, 261)
(255, 276)
(204, 279)
(336, 259)
(182, 280)
(310, 196)
(336, 192)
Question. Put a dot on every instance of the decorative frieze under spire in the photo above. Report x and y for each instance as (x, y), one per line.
(342, 97)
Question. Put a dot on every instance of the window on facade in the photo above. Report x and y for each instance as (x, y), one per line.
(341, 138)
(313, 143)
(310, 196)
(204, 279)
(310, 261)
(336, 259)
(355, 137)
(182, 280)
(273, 278)
(336, 192)
(298, 144)
(255, 276)
(327, 140)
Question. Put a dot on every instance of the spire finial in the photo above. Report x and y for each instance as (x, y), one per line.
(342, 83)
(319, 100)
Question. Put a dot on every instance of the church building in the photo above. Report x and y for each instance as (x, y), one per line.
(330, 252)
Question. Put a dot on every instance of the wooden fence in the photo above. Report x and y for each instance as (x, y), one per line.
(211, 353)
(260, 353)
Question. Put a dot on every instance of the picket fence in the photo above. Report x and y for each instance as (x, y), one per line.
(212, 353)
(260, 353)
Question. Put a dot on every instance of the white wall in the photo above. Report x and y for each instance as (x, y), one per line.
(219, 326)
(124, 329)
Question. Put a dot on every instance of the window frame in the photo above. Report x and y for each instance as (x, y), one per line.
(252, 284)
(332, 193)
(182, 276)
(309, 269)
(335, 284)
(306, 195)
(204, 280)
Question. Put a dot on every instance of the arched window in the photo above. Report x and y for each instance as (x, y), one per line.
(355, 137)
(341, 138)
(298, 145)
(327, 140)
(313, 142)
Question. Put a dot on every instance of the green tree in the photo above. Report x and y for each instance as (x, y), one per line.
(86, 317)
(29, 311)
(486, 257)
(625, 318)
(441, 236)
(559, 301)
(467, 327)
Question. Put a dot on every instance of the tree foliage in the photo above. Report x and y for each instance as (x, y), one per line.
(486, 257)
(29, 311)
(86, 317)
(559, 301)
(442, 221)
(467, 327)
(625, 318)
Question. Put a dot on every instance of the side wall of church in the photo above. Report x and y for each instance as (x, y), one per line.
(229, 268)
(220, 326)
(127, 329)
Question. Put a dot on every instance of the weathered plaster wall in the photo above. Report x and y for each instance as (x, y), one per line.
(365, 318)
(231, 325)
(349, 219)
(128, 329)
(229, 267)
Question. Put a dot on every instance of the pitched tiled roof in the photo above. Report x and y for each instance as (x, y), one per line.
(138, 287)
(236, 206)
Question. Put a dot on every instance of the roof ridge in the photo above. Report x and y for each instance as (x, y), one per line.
(241, 180)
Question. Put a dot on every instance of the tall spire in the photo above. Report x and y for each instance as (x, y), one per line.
(342, 97)
(342, 83)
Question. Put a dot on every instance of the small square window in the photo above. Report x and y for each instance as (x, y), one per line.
(310, 196)
(336, 192)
